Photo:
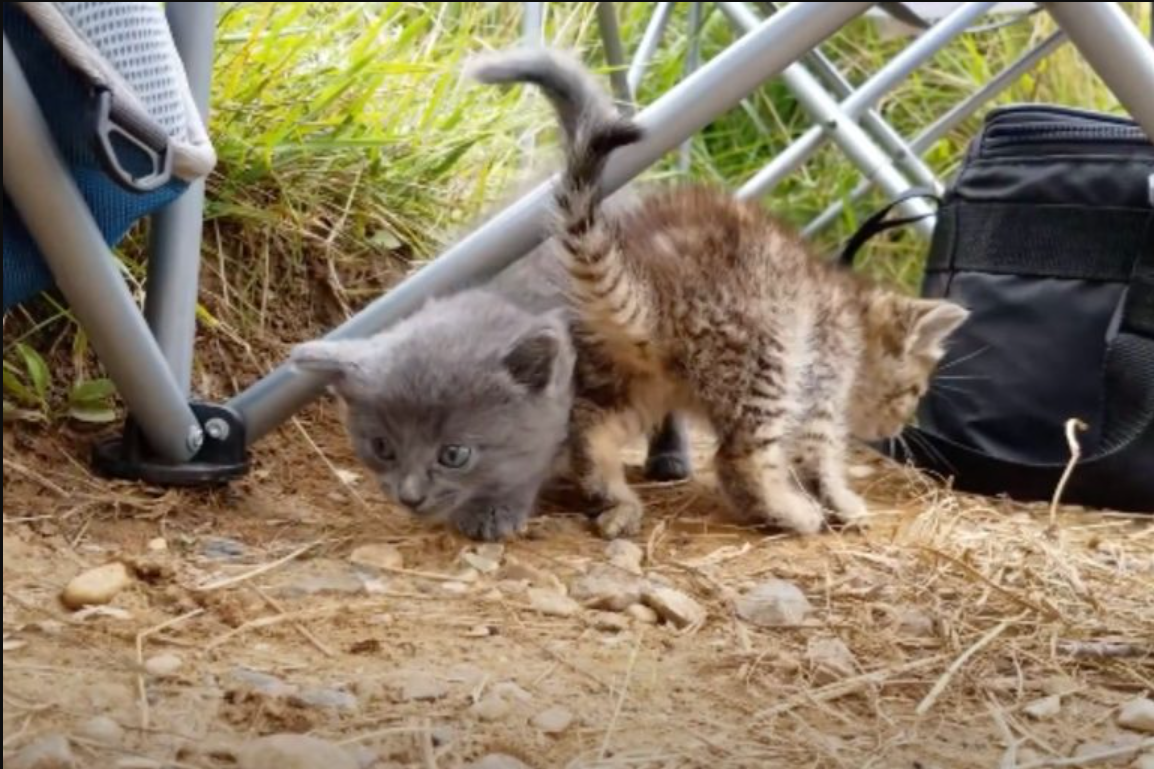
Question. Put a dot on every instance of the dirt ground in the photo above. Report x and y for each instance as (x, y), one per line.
(973, 633)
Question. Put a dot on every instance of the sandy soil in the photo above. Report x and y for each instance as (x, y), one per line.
(246, 617)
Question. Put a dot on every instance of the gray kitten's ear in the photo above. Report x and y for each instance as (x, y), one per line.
(934, 321)
(328, 357)
(533, 359)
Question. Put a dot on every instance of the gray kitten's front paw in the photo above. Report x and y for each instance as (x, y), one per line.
(490, 523)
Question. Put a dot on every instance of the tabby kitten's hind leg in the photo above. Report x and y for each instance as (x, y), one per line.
(756, 476)
(668, 457)
(822, 441)
(820, 464)
(599, 470)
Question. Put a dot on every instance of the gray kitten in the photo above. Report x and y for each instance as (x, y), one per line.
(460, 410)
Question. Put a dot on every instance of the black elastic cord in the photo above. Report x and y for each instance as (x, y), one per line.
(878, 223)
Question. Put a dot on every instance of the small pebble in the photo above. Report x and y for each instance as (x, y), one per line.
(609, 622)
(1061, 686)
(1044, 709)
(443, 736)
(378, 556)
(163, 665)
(552, 604)
(915, 623)
(455, 588)
(491, 708)
(101, 729)
(554, 720)
(327, 699)
(642, 614)
(607, 588)
(625, 555)
(469, 675)
(223, 549)
(323, 576)
(1137, 715)
(468, 575)
(498, 761)
(512, 587)
(263, 683)
(422, 687)
(51, 752)
(494, 551)
(1119, 746)
(481, 563)
(294, 751)
(673, 606)
(101, 612)
(479, 631)
(774, 603)
(96, 587)
(511, 692)
(515, 571)
(831, 659)
(158, 545)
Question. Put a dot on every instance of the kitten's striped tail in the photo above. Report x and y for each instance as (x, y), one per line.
(606, 293)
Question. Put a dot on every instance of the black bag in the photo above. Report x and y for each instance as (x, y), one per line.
(1047, 237)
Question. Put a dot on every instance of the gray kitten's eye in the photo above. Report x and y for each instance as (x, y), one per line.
(454, 457)
(382, 449)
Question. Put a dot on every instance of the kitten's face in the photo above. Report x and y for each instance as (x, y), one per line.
(905, 341)
(465, 403)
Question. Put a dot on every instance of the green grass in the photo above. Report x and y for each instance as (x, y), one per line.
(350, 150)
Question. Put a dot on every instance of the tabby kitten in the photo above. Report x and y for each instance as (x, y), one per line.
(697, 302)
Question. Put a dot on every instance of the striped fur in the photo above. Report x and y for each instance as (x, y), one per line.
(695, 302)
(613, 304)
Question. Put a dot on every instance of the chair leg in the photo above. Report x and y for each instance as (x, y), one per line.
(174, 254)
(687, 108)
(957, 115)
(85, 270)
(842, 128)
(1111, 43)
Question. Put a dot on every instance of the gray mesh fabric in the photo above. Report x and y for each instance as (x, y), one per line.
(134, 39)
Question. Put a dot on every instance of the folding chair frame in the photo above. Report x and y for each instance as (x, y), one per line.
(170, 440)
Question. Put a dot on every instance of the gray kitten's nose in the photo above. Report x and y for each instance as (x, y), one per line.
(412, 492)
(411, 499)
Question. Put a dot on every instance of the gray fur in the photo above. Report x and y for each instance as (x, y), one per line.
(462, 371)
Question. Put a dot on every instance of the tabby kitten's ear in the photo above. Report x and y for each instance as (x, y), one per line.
(541, 358)
(933, 320)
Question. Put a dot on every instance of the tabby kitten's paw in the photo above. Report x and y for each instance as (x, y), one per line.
(798, 513)
(490, 523)
(848, 509)
(621, 520)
